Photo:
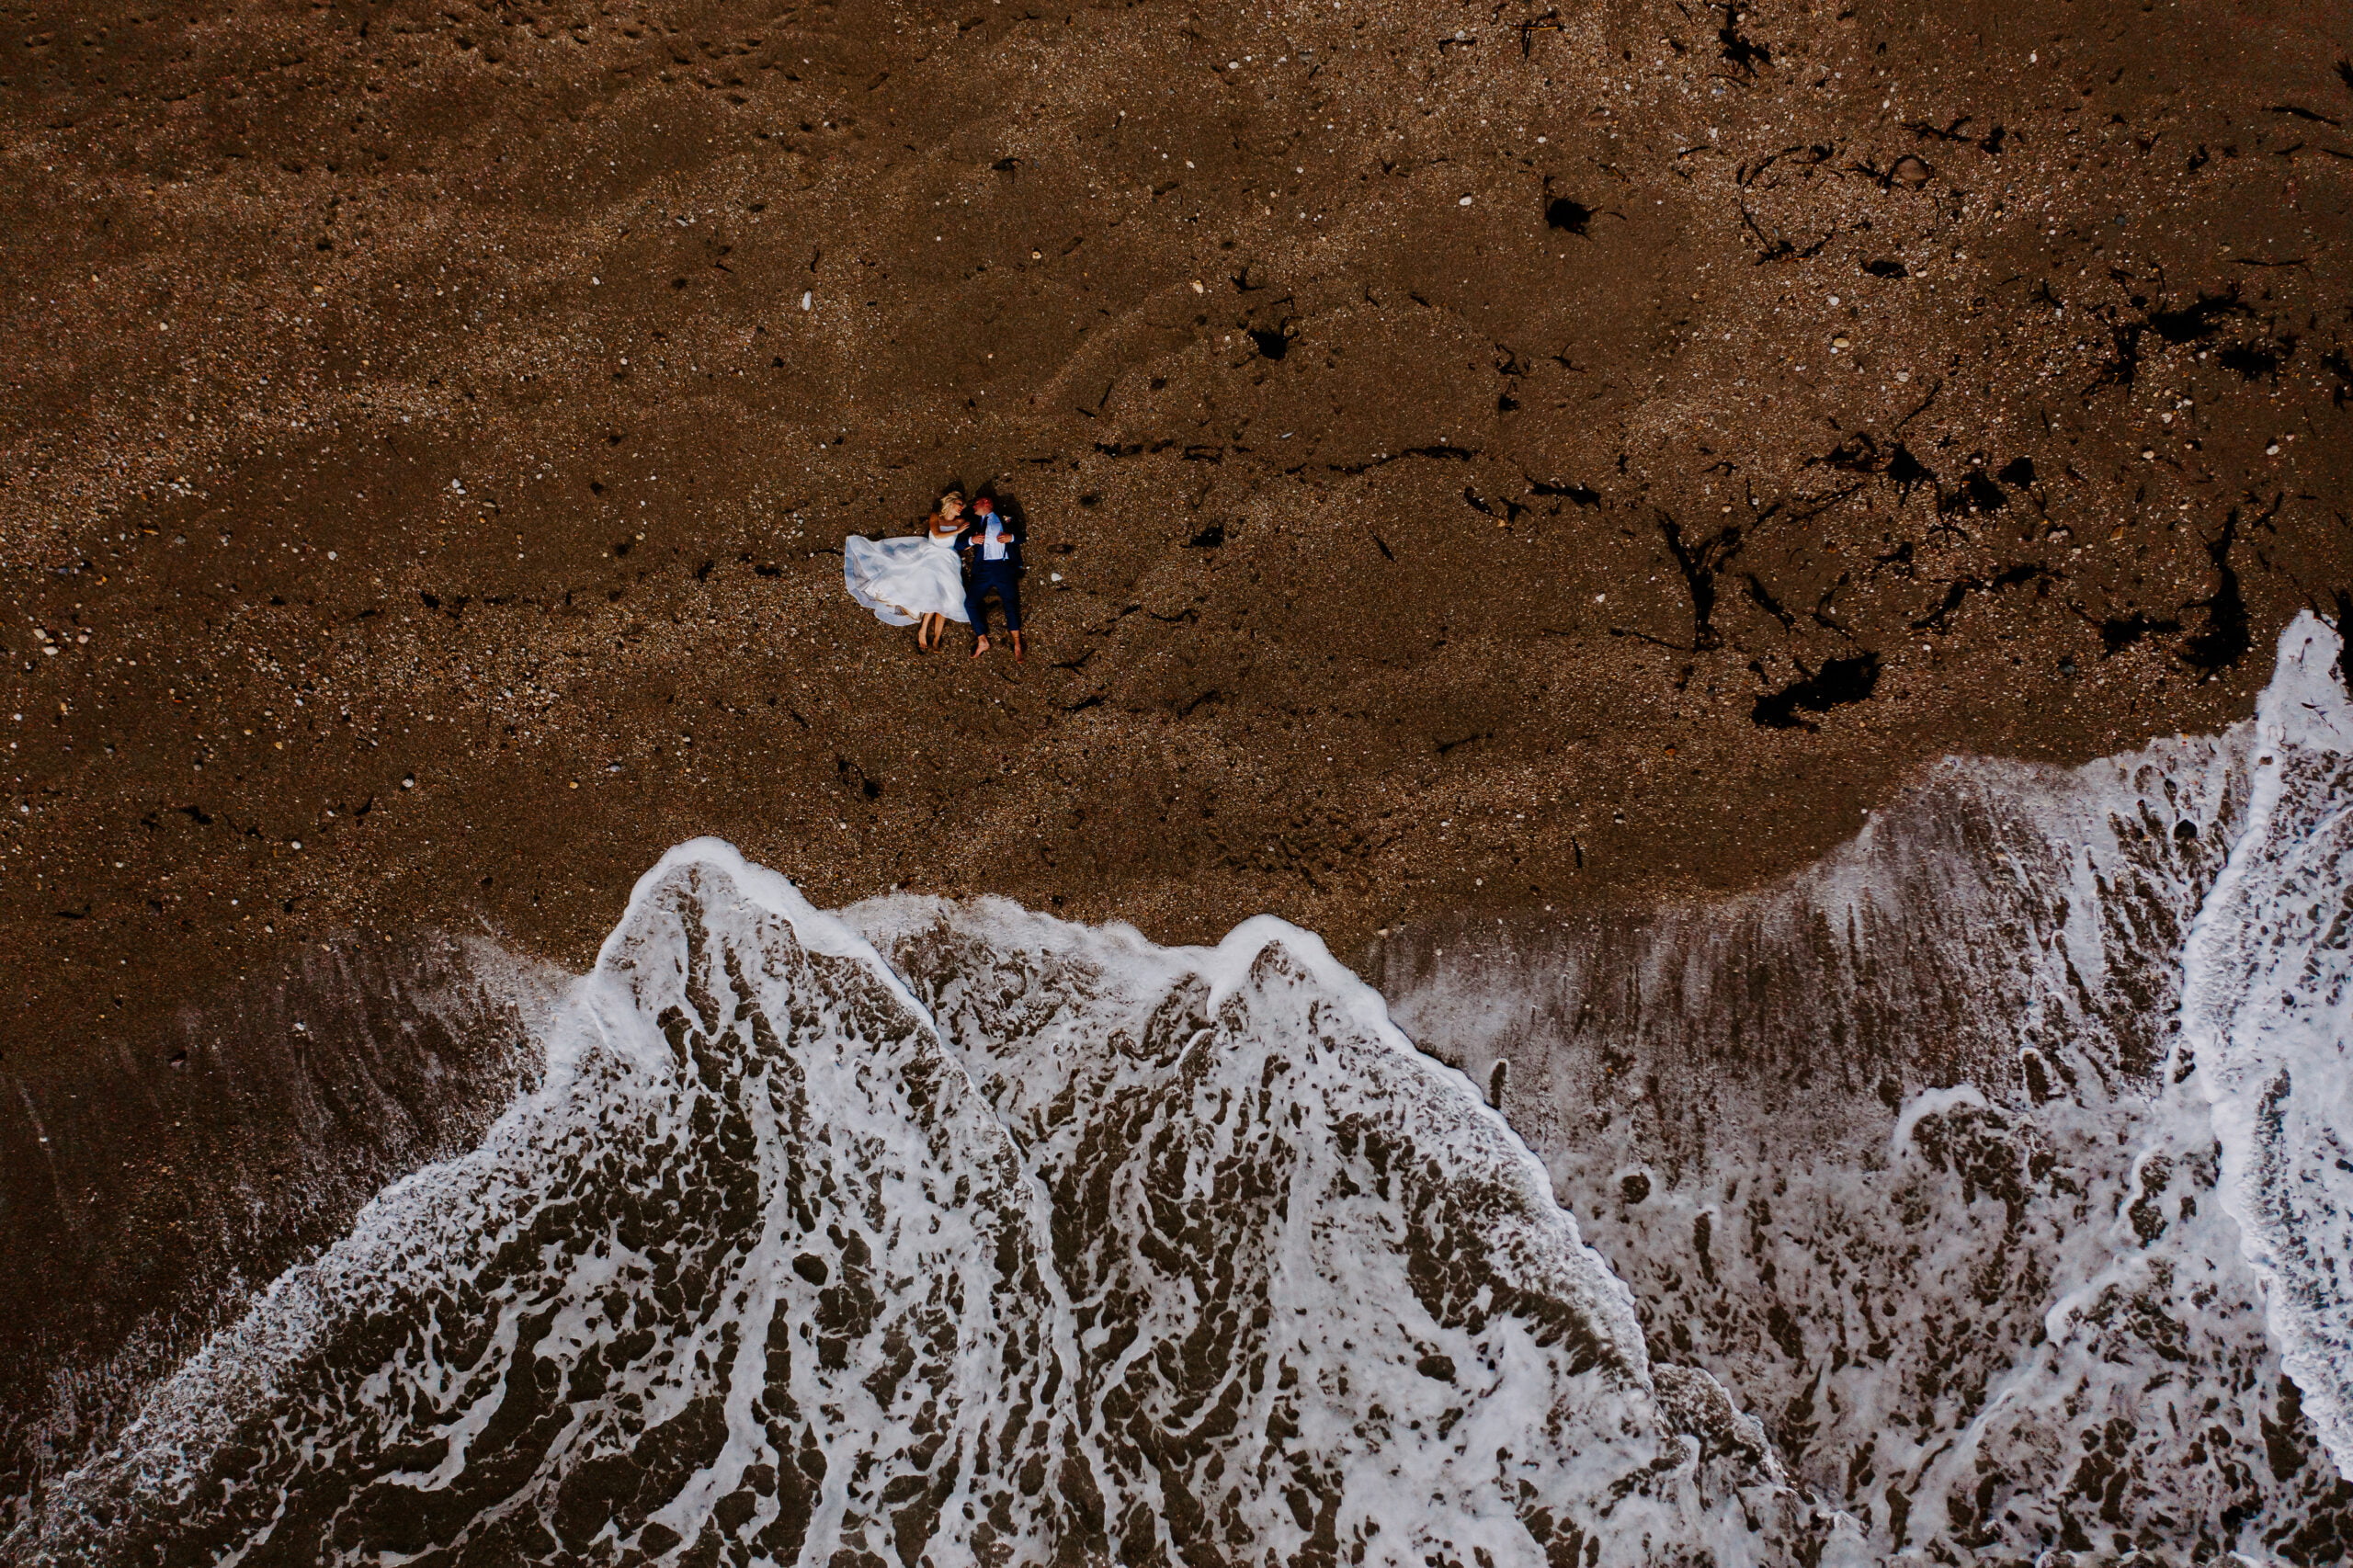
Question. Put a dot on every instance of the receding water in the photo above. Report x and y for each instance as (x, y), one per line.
(1979, 1194)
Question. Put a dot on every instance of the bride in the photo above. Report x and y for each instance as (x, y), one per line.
(914, 579)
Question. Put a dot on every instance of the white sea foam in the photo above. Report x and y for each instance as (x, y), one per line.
(1995, 1164)
(1949, 1155)
(2268, 1022)
(1011, 1242)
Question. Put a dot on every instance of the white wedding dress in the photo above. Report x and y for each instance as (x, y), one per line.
(902, 580)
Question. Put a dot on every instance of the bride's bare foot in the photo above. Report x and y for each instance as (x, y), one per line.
(980, 645)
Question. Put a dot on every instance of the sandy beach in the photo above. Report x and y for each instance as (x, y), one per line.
(1473, 464)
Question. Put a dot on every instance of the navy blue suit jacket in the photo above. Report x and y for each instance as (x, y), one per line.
(968, 543)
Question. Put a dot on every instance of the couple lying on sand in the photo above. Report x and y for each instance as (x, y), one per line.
(917, 580)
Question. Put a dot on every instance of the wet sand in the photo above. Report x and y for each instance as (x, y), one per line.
(1489, 462)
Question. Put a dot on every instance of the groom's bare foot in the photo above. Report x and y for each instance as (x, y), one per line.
(1020, 652)
(980, 646)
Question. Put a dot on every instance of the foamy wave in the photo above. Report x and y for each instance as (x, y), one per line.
(1130, 1254)
(1949, 1155)
(1982, 1192)
(2267, 1024)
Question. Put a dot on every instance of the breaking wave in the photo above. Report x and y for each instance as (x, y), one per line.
(2267, 1026)
(964, 1236)
(1998, 1161)
(1996, 1165)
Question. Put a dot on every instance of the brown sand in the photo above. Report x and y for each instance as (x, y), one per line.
(1491, 458)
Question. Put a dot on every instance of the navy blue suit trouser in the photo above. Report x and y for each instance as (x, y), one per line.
(996, 577)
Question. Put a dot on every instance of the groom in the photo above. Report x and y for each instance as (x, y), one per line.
(992, 546)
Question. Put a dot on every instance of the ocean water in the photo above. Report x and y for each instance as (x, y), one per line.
(1996, 1164)
(1021, 1244)
(1979, 1195)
